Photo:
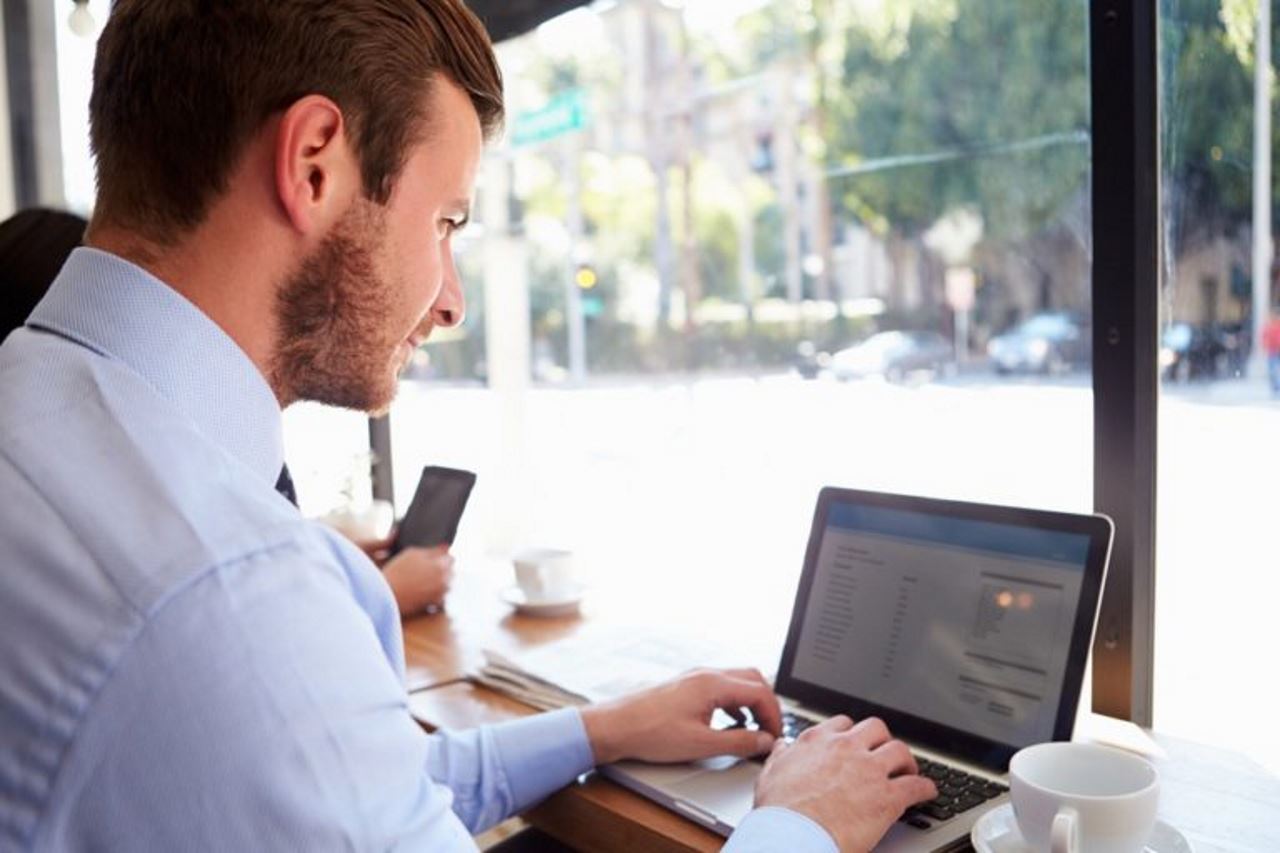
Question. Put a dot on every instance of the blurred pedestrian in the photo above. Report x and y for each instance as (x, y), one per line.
(1271, 346)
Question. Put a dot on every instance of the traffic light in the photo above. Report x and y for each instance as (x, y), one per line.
(590, 297)
(586, 277)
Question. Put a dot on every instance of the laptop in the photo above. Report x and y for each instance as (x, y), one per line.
(965, 627)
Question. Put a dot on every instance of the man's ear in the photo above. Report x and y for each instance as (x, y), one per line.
(316, 170)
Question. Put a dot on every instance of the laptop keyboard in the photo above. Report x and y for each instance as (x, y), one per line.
(958, 791)
(794, 724)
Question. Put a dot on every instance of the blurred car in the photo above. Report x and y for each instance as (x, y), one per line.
(809, 362)
(1050, 342)
(895, 355)
(1189, 352)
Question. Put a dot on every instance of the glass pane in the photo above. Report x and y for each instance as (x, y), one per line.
(756, 248)
(1219, 419)
(327, 451)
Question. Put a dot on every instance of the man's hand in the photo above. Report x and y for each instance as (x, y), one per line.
(854, 780)
(419, 577)
(671, 722)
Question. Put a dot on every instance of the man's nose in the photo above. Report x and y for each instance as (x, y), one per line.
(450, 307)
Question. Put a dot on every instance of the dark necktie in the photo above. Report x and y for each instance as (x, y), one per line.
(284, 485)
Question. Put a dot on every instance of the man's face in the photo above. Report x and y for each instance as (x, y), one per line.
(352, 313)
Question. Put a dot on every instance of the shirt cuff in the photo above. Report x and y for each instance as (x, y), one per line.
(773, 828)
(542, 753)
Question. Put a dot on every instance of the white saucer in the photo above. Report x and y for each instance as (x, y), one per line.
(564, 605)
(997, 832)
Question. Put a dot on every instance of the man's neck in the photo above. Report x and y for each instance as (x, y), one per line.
(227, 276)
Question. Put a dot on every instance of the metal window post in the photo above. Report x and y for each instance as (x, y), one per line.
(1126, 220)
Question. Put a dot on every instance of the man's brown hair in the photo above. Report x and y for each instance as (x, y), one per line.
(180, 86)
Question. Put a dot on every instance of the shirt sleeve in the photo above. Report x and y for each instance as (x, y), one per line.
(772, 828)
(257, 709)
(498, 771)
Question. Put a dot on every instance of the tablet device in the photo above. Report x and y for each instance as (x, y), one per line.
(436, 509)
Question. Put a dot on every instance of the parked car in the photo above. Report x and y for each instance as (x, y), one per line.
(1189, 352)
(1050, 342)
(894, 356)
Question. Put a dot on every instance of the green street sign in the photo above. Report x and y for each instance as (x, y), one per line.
(565, 113)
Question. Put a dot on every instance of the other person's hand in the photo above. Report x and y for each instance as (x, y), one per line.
(377, 550)
(854, 780)
(671, 722)
(419, 577)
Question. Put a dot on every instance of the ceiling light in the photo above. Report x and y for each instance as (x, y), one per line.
(81, 20)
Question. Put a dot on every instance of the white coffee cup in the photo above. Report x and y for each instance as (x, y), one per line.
(368, 523)
(544, 574)
(1078, 797)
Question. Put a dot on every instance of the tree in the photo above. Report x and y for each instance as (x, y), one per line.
(1207, 107)
(989, 110)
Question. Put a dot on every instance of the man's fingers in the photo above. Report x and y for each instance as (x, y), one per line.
(871, 732)
(748, 673)
(740, 742)
(759, 697)
(895, 757)
(838, 723)
(913, 789)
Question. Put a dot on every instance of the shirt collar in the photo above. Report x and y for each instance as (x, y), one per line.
(120, 311)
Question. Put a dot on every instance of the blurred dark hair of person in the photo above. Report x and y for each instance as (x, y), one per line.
(34, 244)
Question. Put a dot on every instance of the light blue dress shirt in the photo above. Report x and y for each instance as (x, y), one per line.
(185, 662)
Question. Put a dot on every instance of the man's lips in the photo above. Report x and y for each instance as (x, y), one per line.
(417, 339)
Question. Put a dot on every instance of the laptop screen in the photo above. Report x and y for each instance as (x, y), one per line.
(947, 617)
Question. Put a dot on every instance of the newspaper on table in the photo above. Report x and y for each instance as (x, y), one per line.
(591, 668)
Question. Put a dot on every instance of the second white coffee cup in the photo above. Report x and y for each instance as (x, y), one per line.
(544, 574)
(1083, 798)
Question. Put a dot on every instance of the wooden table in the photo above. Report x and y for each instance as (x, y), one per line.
(443, 648)
(1221, 801)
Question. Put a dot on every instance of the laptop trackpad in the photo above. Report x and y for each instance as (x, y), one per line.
(726, 788)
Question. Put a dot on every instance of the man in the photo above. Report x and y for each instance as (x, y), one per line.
(185, 663)
(35, 243)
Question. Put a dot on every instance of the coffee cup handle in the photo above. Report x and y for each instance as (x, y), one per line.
(1064, 837)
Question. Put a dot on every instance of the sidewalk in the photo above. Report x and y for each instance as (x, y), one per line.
(1223, 392)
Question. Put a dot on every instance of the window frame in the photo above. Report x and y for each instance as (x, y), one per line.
(1126, 290)
(1125, 215)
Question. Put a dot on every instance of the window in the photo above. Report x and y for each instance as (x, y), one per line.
(1219, 424)
(729, 253)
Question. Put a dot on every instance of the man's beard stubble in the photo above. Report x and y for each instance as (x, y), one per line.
(335, 322)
